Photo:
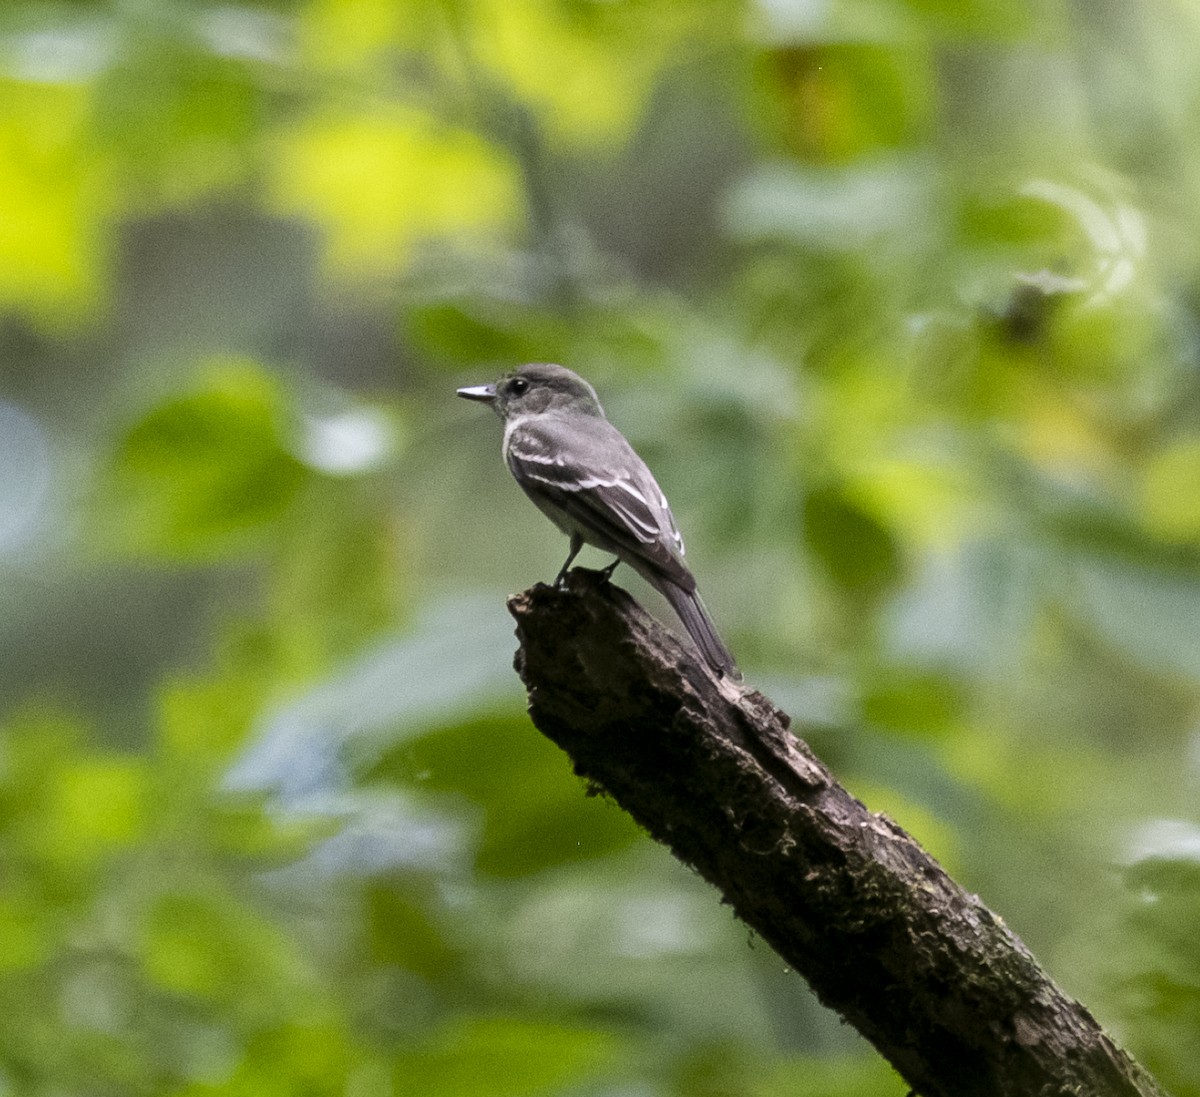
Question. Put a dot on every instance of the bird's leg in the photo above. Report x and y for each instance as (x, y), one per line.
(607, 572)
(576, 545)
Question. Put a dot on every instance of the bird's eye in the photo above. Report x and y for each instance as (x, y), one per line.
(518, 386)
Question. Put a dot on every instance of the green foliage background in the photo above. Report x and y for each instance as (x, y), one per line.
(900, 299)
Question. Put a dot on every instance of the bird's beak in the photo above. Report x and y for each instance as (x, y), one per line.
(478, 392)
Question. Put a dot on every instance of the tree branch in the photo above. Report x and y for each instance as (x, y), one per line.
(941, 987)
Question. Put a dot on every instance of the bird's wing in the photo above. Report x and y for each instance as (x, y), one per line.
(588, 469)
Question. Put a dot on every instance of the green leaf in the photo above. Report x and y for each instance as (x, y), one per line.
(984, 19)
(97, 803)
(291, 1060)
(203, 945)
(245, 826)
(1155, 966)
(401, 932)
(1150, 616)
(206, 474)
(556, 57)
(179, 121)
(204, 721)
(858, 551)
(50, 201)
(501, 1057)
(508, 333)
(727, 1070)
(835, 1076)
(382, 183)
(1171, 495)
(1037, 231)
(25, 938)
(538, 814)
(339, 574)
(922, 704)
(842, 101)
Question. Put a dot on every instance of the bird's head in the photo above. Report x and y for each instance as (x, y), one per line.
(535, 389)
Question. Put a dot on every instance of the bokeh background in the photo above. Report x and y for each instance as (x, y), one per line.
(901, 301)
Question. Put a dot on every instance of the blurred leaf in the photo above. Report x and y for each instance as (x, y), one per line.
(402, 933)
(205, 474)
(839, 101)
(1040, 230)
(501, 1057)
(338, 581)
(178, 120)
(537, 812)
(1158, 968)
(67, 805)
(349, 34)
(714, 1070)
(587, 72)
(977, 18)
(1171, 495)
(203, 721)
(289, 1060)
(204, 945)
(839, 210)
(24, 937)
(507, 333)
(1035, 782)
(1086, 527)
(51, 195)
(635, 944)
(859, 553)
(921, 704)
(831, 1077)
(926, 496)
(379, 185)
(453, 661)
(96, 804)
(1167, 876)
(726, 1070)
(246, 827)
(1151, 617)
(1104, 336)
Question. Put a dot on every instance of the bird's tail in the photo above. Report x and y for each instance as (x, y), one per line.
(700, 627)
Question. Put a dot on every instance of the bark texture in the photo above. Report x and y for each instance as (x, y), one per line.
(945, 991)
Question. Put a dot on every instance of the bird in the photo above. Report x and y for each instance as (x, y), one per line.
(582, 473)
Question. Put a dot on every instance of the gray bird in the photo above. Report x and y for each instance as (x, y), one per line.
(585, 477)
